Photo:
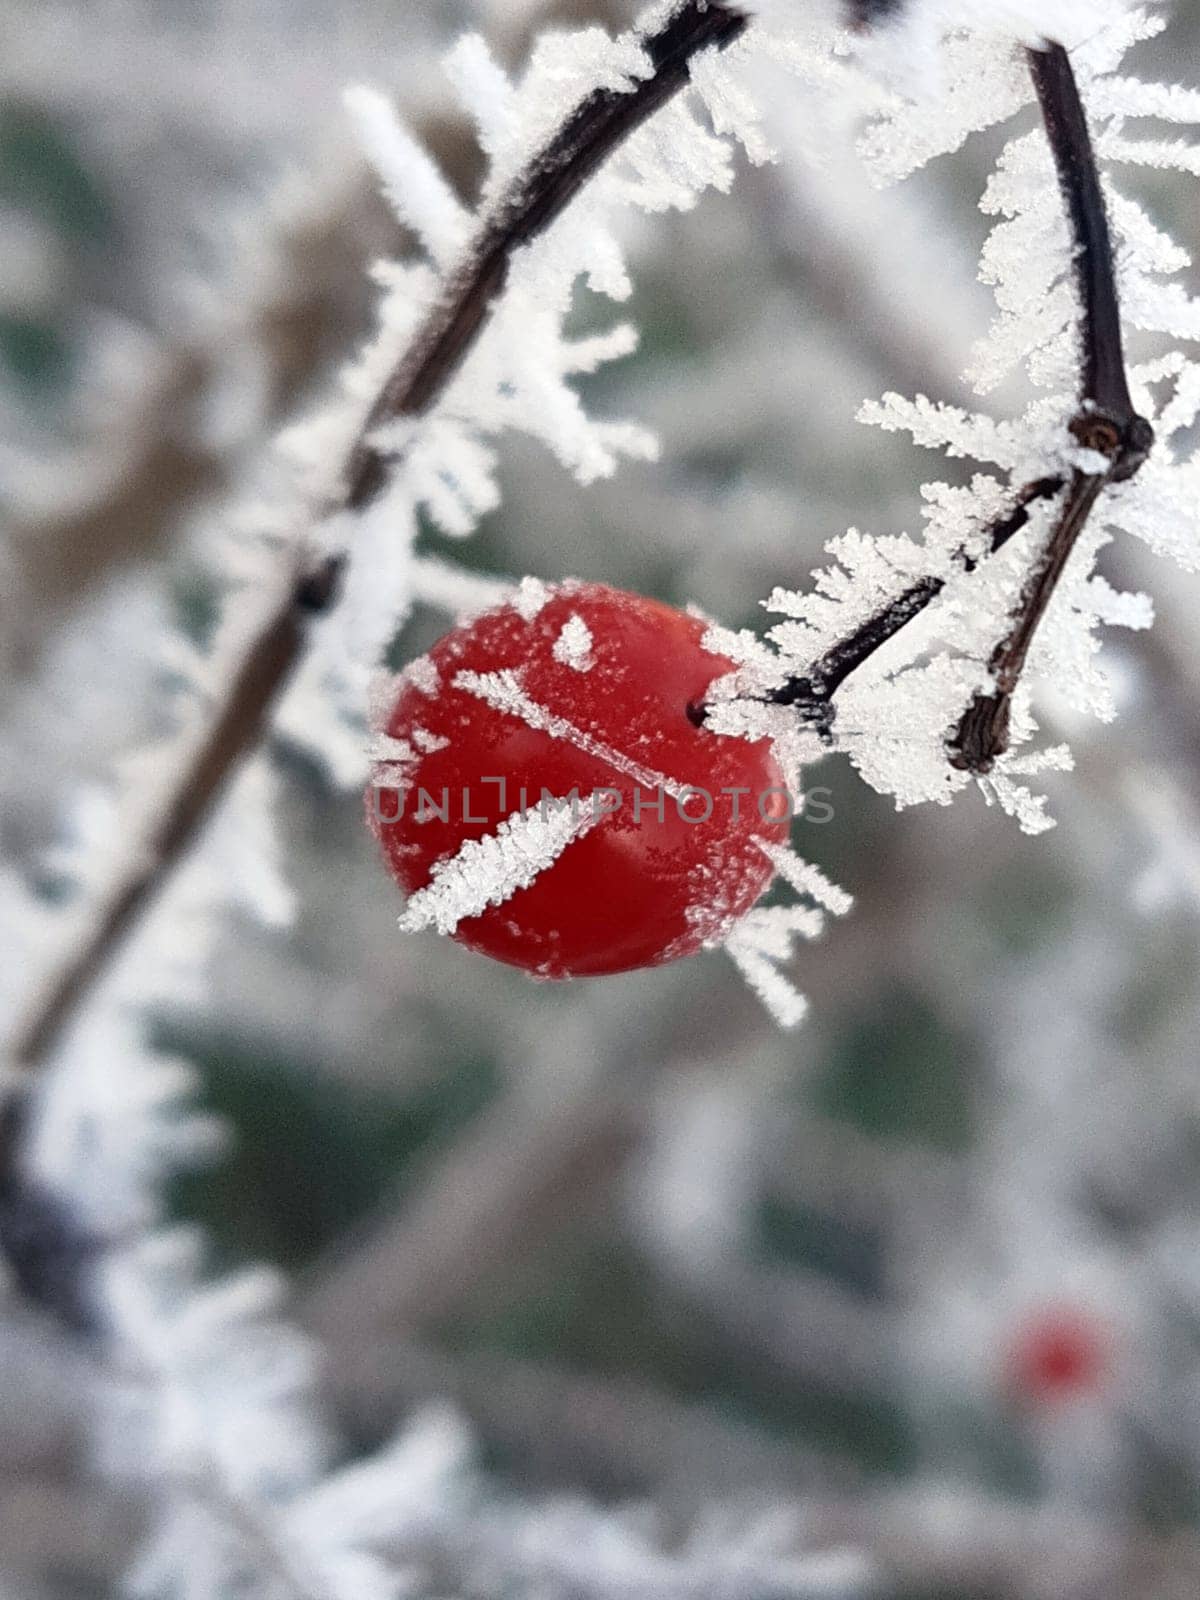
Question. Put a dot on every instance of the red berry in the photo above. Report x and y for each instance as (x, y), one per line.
(577, 688)
(1061, 1353)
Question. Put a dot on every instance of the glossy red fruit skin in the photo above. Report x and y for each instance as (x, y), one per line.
(633, 892)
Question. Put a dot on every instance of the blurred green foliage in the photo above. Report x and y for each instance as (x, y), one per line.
(43, 176)
(898, 1070)
(35, 353)
(42, 171)
(794, 1235)
(1027, 903)
(311, 1155)
(1154, 989)
(592, 1305)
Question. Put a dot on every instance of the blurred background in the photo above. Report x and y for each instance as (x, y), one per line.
(924, 1272)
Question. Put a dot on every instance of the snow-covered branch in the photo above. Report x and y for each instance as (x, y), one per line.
(903, 632)
(1107, 423)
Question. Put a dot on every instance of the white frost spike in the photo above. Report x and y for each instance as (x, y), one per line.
(410, 1482)
(244, 850)
(397, 752)
(516, 378)
(1017, 801)
(729, 105)
(590, 354)
(423, 675)
(1130, 97)
(764, 938)
(488, 871)
(453, 589)
(485, 90)
(562, 70)
(748, 651)
(806, 879)
(503, 692)
(573, 647)
(414, 187)
(781, 998)
(532, 594)
(948, 428)
(445, 468)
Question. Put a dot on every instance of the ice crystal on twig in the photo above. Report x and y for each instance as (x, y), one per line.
(903, 692)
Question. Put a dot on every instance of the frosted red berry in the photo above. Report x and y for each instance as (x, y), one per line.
(584, 696)
(1060, 1353)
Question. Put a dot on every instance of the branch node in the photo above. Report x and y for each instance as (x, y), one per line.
(983, 734)
(317, 590)
(1125, 441)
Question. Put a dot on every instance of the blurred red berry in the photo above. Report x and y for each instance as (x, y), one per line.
(1060, 1353)
(579, 688)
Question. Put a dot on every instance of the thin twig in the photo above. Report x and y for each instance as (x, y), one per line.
(602, 121)
(982, 734)
(261, 674)
(1104, 384)
(1105, 422)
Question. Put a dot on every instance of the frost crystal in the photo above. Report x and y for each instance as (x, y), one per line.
(503, 692)
(573, 647)
(422, 672)
(532, 594)
(488, 871)
(762, 942)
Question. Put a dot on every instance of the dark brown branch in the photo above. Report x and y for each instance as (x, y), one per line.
(1106, 421)
(591, 134)
(983, 733)
(1104, 385)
